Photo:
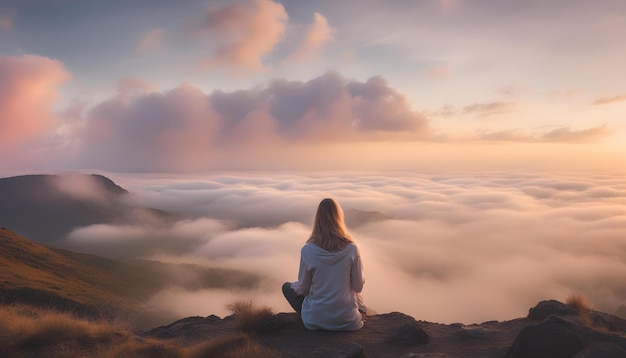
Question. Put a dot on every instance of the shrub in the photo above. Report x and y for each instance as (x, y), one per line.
(250, 318)
(581, 304)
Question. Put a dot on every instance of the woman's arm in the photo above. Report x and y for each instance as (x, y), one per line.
(303, 285)
(357, 280)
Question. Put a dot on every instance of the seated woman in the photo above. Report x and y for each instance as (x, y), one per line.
(330, 279)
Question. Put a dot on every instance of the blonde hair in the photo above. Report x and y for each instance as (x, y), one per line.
(329, 230)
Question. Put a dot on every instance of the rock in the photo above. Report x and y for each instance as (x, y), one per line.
(280, 321)
(351, 350)
(346, 350)
(545, 308)
(598, 320)
(473, 332)
(354, 350)
(409, 334)
(184, 327)
(602, 350)
(554, 337)
(398, 335)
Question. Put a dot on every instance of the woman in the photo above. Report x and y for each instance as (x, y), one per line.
(330, 279)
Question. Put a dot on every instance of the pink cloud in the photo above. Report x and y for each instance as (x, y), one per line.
(244, 33)
(560, 135)
(129, 86)
(511, 135)
(317, 35)
(149, 130)
(609, 100)
(447, 4)
(151, 40)
(6, 20)
(186, 129)
(438, 72)
(565, 94)
(565, 134)
(28, 89)
(482, 110)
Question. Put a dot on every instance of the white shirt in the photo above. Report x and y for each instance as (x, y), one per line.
(331, 282)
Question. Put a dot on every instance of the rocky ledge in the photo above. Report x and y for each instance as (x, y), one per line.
(551, 329)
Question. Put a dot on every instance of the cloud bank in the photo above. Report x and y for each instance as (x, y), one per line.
(465, 247)
(327, 122)
(186, 129)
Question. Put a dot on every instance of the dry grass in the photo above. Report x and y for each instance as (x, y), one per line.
(95, 286)
(148, 348)
(32, 332)
(582, 305)
(27, 331)
(236, 345)
(253, 350)
(579, 302)
(250, 318)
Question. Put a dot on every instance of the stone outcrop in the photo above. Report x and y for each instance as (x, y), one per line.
(562, 332)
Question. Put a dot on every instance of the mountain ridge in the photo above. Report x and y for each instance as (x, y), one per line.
(46, 208)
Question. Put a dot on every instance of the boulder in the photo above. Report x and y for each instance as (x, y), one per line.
(554, 337)
(545, 308)
(409, 334)
(602, 350)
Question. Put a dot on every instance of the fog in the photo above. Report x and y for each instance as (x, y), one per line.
(456, 247)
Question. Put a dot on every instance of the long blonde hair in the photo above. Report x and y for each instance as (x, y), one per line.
(329, 230)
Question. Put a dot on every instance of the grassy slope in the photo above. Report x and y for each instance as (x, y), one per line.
(31, 265)
(34, 273)
(34, 332)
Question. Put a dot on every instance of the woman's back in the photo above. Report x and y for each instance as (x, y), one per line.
(333, 279)
(330, 279)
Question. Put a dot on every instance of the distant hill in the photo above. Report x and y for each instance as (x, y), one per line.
(45, 208)
(355, 217)
(39, 275)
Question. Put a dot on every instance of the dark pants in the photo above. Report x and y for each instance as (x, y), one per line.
(294, 299)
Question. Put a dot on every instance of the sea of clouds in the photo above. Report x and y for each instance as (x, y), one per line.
(453, 247)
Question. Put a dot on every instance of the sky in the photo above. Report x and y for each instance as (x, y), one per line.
(491, 135)
(195, 86)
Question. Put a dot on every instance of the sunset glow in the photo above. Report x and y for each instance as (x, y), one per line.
(486, 133)
(247, 84)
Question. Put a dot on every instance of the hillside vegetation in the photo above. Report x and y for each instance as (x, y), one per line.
(91, 285)
(26, 331)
